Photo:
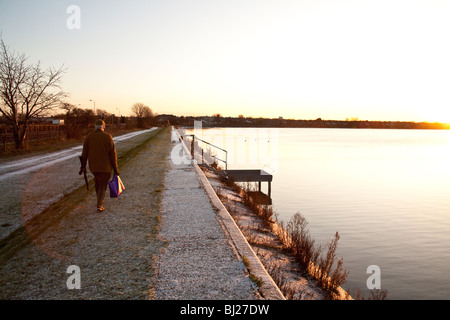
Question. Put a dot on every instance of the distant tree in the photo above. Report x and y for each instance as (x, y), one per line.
(141, 110)
(77, 120)
(143, 114)
(102, 112)
(26, 91)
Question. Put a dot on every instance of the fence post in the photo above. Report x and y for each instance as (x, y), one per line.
(226, 160)
(27, 137)
(4, 138)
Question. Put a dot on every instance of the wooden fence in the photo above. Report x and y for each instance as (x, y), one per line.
(35, 132)
(45, 132)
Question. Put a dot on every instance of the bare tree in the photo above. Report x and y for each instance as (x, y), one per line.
(141, 110)
(142, 113)
(102, 112)
(26, 91)
(77, 120)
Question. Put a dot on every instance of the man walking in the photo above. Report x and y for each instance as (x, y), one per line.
(100, 153)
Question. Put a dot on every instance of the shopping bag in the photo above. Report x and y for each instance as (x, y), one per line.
(116, 187)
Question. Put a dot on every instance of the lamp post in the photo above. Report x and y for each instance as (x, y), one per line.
(94, 105)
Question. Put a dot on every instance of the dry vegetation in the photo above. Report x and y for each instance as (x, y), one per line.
(301, 268)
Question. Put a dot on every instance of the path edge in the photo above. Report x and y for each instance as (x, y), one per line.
(268, 288)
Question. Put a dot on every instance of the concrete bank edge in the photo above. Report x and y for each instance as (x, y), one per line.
(268, 289)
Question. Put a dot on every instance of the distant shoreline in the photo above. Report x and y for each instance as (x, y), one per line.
(224, 122)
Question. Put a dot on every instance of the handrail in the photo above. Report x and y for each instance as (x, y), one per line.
(192, 149)
(211, 144)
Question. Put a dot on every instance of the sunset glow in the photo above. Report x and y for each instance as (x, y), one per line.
(371, 60)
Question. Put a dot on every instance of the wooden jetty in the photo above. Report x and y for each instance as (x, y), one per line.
(253, 175)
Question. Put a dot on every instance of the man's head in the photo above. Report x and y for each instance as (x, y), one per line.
(100, 124)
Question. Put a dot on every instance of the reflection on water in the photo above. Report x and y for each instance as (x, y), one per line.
(387, 193)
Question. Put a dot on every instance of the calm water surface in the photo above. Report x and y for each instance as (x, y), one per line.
(387, 193)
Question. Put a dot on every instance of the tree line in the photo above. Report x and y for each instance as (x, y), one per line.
(77, 120)
(217, 120)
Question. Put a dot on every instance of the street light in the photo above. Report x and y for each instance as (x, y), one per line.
(119, 118)
(94, 105)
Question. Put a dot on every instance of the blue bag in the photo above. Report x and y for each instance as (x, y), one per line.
(116, 187)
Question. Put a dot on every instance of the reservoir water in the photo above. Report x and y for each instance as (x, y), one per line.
(387, 193)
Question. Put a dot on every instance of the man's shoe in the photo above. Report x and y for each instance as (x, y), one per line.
(100, 209)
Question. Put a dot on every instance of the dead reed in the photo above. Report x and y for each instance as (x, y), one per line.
(375, 294)
(320, 262)
(315, 259)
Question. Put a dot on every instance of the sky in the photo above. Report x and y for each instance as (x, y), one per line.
(385, 60)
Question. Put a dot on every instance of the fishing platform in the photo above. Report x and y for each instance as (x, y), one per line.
(253, 175)
(237, 175)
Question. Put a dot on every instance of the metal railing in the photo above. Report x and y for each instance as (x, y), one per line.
(194, 138)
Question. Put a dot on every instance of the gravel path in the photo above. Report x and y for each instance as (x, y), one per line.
(205, 254)
(198, 262)
(30, 184)
(114, 250)
(162, 239)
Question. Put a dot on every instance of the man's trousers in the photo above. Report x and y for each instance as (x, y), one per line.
(101, 180)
